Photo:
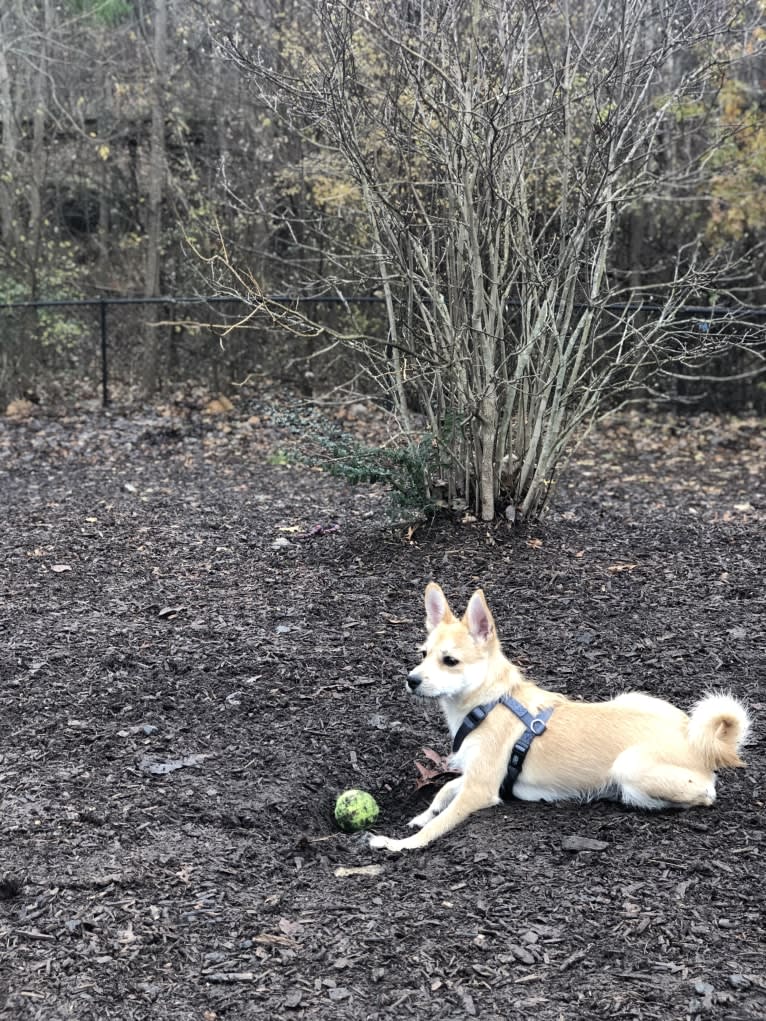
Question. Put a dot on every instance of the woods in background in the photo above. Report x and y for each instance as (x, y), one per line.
(503, 176)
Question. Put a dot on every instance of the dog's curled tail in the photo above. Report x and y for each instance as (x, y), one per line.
(718, 727)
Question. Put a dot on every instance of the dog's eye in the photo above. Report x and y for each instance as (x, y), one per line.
(449, 661)
(423, 653)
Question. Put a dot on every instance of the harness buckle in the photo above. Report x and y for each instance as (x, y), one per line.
(537, 726)
(478, 714)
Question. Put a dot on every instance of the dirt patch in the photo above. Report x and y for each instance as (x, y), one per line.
(201, 649)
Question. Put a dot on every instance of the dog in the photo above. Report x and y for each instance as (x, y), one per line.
(509, 734)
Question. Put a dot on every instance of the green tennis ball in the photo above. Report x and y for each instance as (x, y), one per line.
(355, 810)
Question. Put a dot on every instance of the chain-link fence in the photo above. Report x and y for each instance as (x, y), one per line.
(127, 347)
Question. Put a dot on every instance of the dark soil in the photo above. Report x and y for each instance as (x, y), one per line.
(202, 646)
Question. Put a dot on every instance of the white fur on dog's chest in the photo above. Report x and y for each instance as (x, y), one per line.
(460, 760)
(454, 717)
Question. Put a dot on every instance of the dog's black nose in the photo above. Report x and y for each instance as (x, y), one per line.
(414, 681)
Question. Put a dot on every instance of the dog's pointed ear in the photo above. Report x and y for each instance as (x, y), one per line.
(478, 618)
(437, 607)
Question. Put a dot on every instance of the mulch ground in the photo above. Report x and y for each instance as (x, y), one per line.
(203, 643)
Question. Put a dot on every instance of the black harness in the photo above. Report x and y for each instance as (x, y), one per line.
(535, 725)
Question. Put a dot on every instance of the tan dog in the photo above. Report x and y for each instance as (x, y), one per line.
(635, 748)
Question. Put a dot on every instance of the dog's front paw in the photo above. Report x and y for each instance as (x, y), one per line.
(379, 843)
(420, 820)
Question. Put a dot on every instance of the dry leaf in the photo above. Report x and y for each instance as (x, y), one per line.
(440, 760)
(535, 543)
(20, 408)
(441, 768)
(60, 568)
(219, 406)
(616, 568)
(290, 928)
(427, 776)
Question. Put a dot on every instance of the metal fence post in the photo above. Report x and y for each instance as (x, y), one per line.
(104, 355)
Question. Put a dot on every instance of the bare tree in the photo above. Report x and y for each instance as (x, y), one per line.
(499, 151)
(156, 191)
(9, 130)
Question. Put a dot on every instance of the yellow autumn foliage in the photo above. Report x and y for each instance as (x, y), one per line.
(738, 186)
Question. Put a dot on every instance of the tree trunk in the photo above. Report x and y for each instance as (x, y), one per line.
(38, 169)
(155, 196)
(8, 127)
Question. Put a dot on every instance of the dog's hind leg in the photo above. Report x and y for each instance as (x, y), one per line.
(470, 798)
(645, 783)
(443, 798)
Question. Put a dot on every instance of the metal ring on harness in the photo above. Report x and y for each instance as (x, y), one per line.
(534, 726)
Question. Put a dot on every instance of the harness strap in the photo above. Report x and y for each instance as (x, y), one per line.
(476, 716)
(534, 726)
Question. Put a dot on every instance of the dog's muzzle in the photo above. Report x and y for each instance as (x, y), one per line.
(414, 680)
